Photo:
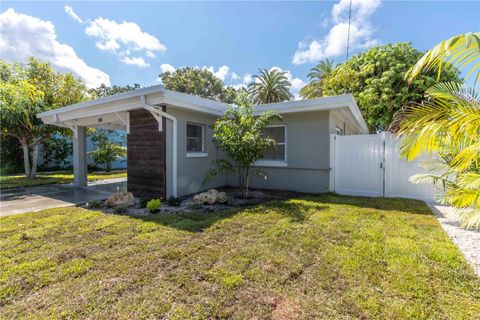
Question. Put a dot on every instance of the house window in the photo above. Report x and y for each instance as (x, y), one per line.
(339, 131)
(278, 151)
(195, 138)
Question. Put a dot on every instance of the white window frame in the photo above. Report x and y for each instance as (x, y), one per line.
(276, 163)
(196, 154)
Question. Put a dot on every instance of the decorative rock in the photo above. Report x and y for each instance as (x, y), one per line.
(209, 197)
(120, 199)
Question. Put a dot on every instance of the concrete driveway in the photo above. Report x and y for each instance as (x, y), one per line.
(38, 198)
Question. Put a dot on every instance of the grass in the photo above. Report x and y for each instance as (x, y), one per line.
(325, 257)
(16, 181)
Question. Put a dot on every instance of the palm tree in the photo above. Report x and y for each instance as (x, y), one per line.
(447, 123)
(316, 76)
(269, 86)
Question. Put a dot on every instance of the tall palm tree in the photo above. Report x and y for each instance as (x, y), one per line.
(447, 123)
(316, 76)
(269, 86)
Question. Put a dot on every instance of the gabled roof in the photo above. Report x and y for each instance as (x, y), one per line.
(113, 108)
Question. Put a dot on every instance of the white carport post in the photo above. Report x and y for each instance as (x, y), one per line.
(79, 156)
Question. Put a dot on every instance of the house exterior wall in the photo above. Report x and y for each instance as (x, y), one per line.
(308, 156)
(191, 171)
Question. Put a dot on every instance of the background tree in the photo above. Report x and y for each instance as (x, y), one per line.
(314, 89)
(447, 123)
(239, 133)
(269, 86)
(200, 82)
(56, 151)
(104, 90)
(105, 151)
(376, 78)
(27, 89)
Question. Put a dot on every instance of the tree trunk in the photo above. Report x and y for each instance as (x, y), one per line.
(26, 159)
(33, 173)
(247, 180)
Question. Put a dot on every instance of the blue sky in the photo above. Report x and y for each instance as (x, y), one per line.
(132, 42)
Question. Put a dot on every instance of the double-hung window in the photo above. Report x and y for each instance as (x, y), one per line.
(276, 154)
(195, 139)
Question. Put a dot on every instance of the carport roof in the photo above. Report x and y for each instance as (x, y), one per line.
(111, 112)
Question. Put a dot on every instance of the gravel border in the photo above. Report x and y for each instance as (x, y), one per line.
(467, 240)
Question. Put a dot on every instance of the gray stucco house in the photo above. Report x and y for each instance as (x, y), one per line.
(170, 145)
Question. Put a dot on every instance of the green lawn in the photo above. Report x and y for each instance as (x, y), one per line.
(16, 181)
(325, 257)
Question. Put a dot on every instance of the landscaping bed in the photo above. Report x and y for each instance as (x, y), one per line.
(186, 204)
(315, 257)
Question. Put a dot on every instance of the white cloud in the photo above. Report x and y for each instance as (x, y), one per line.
(165, 67)
(150, 54)
(221, 72)
(124, 39)
(234, 76)
(24, 36)
(136, 61)
(335, 42)
(72, 14)
(247, 78)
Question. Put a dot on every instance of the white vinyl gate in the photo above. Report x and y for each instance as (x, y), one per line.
(370, 165)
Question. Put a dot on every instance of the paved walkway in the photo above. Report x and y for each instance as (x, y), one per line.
(32, 199)
(467, 240)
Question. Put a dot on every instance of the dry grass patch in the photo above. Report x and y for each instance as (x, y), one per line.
(321, 257)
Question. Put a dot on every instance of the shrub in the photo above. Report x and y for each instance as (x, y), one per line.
(120, 209)
(97, 204)
(154, 205)
(174, 201)
(195, 207)
(227, 200)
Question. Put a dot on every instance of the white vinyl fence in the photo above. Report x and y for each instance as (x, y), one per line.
(370, 165)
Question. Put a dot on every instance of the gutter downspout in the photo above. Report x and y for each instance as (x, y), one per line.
(158, 114)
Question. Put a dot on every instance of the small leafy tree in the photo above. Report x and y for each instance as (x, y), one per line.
(106, 151)
(239, 133)
(26, 90)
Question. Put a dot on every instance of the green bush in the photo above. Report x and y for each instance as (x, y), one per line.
(174, 201)
(97, 204)
(154, 205)
(195, 207)
(120, 209)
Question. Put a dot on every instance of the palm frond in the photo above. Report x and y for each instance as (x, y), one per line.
(460, 51)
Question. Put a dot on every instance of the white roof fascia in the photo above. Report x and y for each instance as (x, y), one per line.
(104, 100)
(324, 103)
(159, 95)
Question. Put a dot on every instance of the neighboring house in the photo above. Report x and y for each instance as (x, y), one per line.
(68, 163)
(170, 145)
